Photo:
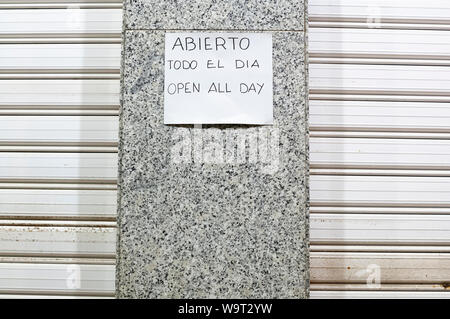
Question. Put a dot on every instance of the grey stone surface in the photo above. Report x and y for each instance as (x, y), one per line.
(213, 14)
(219, 211)
(212, 223)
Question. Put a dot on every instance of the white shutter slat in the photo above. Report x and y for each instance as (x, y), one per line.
(371, 115)
(47, 166)
(40, 296)
(380, 191)
(66, 279)
(43, 203)
(59, 57)
(385, 79)
(379, 210)
(380, 248)
(384, 9)
(377, 294)
(379, 42)
(59, 92)
(58, 2)
(59, 129)
(380, 153)
(63, 22)
(57, 241)
(370, 229)
(339, 267)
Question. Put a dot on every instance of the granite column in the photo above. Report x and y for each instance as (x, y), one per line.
(212, 211)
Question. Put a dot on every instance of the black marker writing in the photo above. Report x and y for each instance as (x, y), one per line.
(211, 43)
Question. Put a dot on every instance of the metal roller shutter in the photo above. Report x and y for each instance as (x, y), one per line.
(59, 100)
(380, 137)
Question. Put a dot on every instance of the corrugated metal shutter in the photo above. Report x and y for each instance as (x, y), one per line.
(59, 100)
(380, 155)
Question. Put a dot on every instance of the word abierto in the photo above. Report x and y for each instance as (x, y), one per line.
(211, 43)
(214, 87)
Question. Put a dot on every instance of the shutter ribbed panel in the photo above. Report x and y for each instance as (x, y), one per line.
(59, 101)
(380, 137)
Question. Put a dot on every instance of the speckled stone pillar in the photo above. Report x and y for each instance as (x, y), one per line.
(213, 211)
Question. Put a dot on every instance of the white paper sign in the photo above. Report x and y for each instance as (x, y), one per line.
(218, 78)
